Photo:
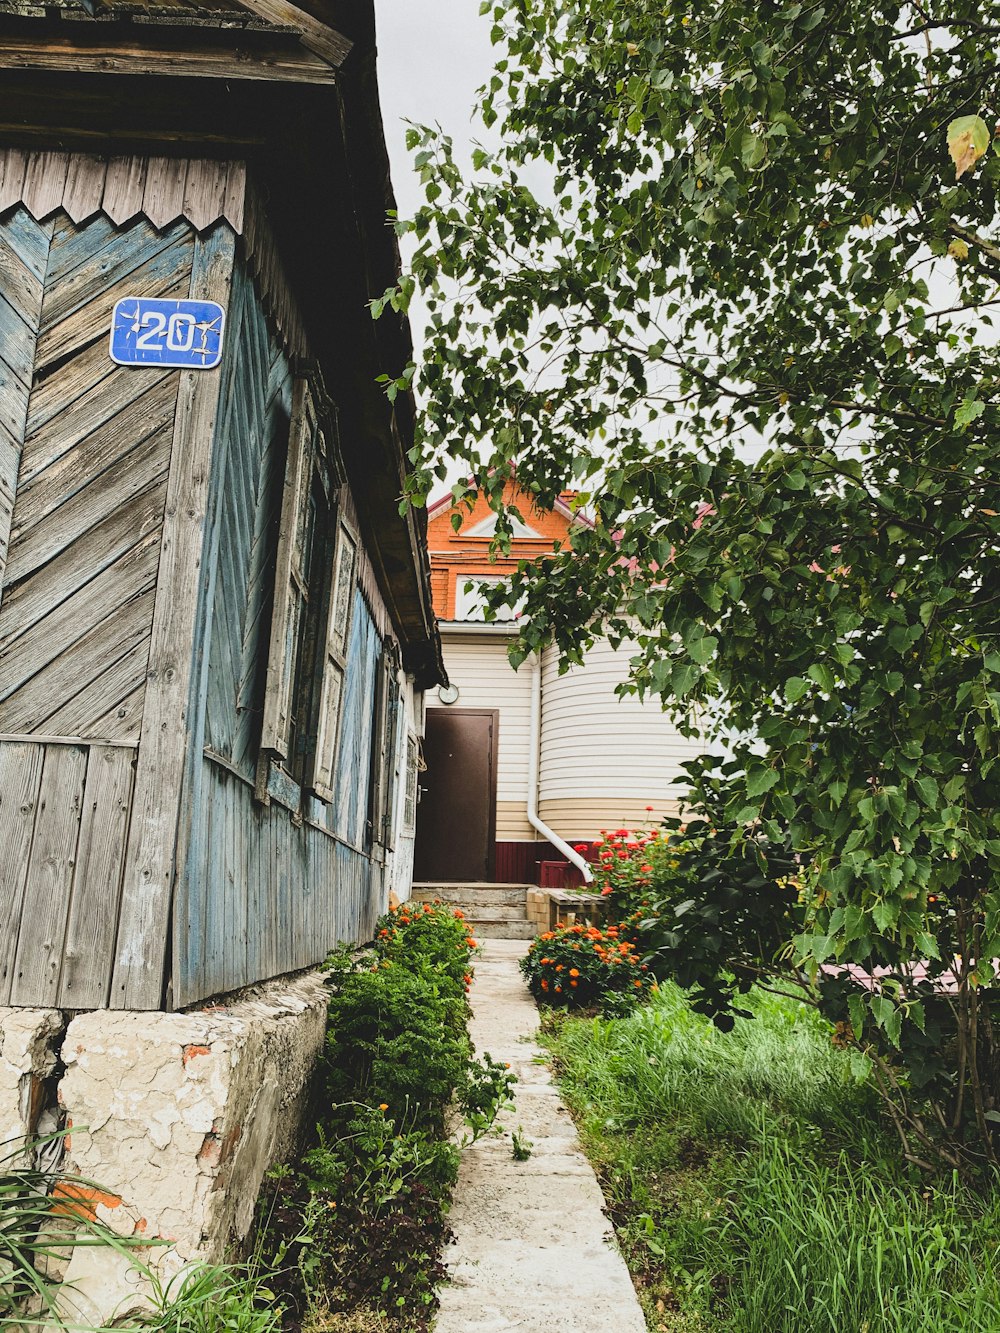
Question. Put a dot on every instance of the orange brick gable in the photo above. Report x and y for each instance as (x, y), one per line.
(456, 557)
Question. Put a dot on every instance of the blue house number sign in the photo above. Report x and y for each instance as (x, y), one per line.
(147, 332)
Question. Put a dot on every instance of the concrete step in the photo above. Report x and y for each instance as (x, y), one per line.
(486, 912)
(471, 895)
(502, 930)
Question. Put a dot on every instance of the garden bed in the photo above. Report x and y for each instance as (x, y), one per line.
(349, 1236)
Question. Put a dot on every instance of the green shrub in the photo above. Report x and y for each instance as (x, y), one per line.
(578, 966)
(396, 1037)
(429, 938)
(361, 1221)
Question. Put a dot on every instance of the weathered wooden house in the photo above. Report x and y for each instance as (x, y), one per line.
(215, 626)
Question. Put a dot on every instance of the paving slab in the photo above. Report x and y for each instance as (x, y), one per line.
(533, 1249)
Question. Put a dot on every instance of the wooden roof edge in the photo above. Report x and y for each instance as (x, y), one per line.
(279, 18)
(407, 590)
(425, 662)
(324, 41)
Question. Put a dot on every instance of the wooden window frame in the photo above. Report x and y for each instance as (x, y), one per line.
(308, 644)
(411, 779)
(382, 791)
(339, 616)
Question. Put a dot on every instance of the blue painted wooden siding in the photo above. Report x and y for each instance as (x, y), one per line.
(253, 437)
(261, 894)
(352, 789)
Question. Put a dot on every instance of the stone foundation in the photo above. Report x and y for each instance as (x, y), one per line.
(29, 1040)
(177, 1117)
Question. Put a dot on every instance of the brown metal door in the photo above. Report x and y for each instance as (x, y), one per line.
(456, 817)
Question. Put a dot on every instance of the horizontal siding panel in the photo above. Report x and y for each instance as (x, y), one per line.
(601, 754)
(512, 822)
(582, 820)
(485, 679)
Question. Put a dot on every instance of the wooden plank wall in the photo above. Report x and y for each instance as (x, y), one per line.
(156, 842)
(76, 605)
(64, 815)
(162, 189)
(281, 897)
(24, 251)
(84, 451)
(261, 893)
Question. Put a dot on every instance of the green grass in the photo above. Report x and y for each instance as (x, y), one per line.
(754, 1187)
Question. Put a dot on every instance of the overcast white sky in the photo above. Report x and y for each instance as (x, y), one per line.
(433, 55)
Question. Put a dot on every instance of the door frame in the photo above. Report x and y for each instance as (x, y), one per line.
(491, 830)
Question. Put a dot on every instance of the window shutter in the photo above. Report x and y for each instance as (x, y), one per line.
(288, 605)
(410, 794)
(391, 755)
(338, 628)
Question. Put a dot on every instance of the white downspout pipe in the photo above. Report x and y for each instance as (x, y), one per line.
(534, 748)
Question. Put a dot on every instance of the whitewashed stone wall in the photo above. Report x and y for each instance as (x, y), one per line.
(176, 1116)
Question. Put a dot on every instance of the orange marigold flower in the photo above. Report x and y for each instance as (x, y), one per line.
(574, 983)
(545, 985)
(559, 967)
(459, 916)
(574, 972)
(637, 983)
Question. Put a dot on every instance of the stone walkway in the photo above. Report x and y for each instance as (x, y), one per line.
(533, 1249)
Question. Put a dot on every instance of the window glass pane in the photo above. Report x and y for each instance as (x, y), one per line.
(469, 603)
